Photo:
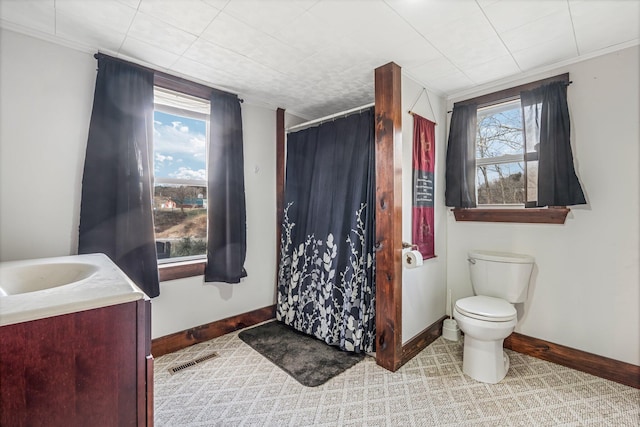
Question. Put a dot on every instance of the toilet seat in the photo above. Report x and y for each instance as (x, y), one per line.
(485, 308)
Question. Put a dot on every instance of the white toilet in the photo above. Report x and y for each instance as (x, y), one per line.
(499, 279)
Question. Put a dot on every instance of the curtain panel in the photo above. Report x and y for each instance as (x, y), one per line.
(460, 167)
(326, 274)
(226, 221)
(547, 107)
(116, 208)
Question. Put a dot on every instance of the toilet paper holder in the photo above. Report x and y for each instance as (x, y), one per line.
(406, 245)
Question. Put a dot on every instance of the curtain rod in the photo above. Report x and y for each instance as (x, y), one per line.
(329, 117)
(163, 75)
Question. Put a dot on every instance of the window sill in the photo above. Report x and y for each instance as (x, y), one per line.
(180, 270)
(551, 215)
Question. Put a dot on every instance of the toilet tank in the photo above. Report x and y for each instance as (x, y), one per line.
(500, 274)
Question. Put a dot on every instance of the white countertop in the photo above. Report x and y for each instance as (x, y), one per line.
(108, 285)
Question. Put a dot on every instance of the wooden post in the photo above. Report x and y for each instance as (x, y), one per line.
(280, 177)
(388, 140)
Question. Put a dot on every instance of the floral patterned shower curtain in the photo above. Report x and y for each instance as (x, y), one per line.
(326, 275)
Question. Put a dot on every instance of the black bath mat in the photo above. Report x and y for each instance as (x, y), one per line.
(310, 361)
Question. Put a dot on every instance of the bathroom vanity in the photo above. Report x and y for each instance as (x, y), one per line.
(75, 345)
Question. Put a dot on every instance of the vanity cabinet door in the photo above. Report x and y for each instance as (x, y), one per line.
(79, 369)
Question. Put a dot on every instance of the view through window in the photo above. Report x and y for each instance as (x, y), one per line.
(505, 171)
(180, 134)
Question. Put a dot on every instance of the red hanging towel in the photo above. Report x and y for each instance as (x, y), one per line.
(424, 148)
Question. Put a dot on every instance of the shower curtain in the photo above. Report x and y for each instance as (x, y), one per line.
(326, 274)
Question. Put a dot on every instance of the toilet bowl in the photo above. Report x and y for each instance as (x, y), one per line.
(498, 279)
(484, 359)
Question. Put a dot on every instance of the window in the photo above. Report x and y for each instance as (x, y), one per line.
(180, 140)
(506, 166)
(494, 155)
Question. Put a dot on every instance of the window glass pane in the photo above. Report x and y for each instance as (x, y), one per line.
(180, 220)
(500, 183)
(179, 147)
(180, 193)
(499, 130)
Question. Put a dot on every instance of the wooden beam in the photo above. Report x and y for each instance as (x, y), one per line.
(280, 178)
(388, 140)
(600, 366)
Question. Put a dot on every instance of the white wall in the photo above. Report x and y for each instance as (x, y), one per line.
(47, 96)
(585, 291)
(423, 288)
(45, 105)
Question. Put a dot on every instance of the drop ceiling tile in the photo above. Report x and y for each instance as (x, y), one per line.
(240, 68)
(88, 35)
(485, 3)
(409, 53)
(113, 15)
(461, 34)
(235, 35)
(508, 14)
(259, 75)
(159, 34)
(480, 52)
(552, 27)
(195, 70)
(306, 32)
(191, 16)
(365, 20)
(452, 83)
(268, 16)
(277, 55)
(218, 4)
(601, 24)
(545, 53)
(154, 55)
(496, 69)
(37, 15)
(434, 69)
(131, 3)
(212, 55)
(325, 64)
(425, 16)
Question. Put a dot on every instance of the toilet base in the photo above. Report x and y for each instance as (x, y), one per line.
(484, 361)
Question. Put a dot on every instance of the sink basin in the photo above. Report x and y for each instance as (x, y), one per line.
(38, 288)
(37, 277)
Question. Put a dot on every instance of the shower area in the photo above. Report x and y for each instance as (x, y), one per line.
(339, 221)
(326, 272)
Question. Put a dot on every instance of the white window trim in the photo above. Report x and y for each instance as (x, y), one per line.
(507, 158)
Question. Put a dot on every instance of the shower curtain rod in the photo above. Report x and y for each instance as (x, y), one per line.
(329, 117)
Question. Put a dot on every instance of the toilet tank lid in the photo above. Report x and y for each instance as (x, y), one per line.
(496, 256)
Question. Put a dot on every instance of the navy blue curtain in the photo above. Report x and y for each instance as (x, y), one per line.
(460, 167)
(226, 222)
(558, 184)
(116, 208)
(326, 274)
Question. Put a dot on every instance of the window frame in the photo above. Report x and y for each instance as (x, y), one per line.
(503, 159)
(547, 215)
(182, 268)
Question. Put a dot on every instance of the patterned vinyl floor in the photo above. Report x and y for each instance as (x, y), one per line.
(242, 388)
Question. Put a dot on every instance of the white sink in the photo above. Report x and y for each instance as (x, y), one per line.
(36, 277)
(39, 288)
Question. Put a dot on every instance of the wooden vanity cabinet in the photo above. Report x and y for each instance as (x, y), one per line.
(90, 368)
